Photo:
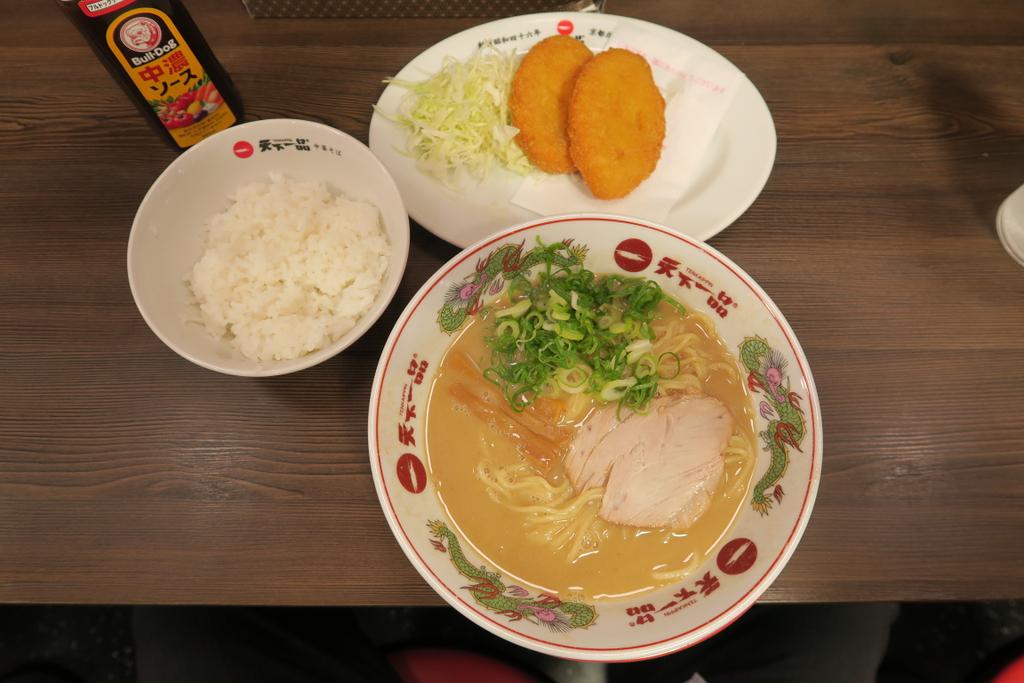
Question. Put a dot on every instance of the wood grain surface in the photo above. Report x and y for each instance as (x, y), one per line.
(128, 475)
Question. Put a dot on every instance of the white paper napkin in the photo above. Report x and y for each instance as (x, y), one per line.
(697, 89)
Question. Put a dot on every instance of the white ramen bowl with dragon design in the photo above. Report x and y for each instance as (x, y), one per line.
(741, 564)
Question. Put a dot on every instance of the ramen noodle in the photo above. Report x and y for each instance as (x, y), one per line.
(509, 478)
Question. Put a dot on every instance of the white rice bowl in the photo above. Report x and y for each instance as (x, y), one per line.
(288, 268)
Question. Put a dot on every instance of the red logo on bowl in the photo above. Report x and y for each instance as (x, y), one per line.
(140, 34)
(411, 473)
(737, 556)
(242, 149)
(633, 255)
(565, 27)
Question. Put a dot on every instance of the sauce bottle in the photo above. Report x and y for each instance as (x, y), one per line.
(157, 54)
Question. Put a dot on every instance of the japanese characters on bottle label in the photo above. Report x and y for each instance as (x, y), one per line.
(165, 70)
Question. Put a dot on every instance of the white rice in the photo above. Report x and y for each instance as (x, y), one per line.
(288, 268)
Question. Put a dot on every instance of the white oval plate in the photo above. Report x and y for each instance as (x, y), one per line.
(735, 168)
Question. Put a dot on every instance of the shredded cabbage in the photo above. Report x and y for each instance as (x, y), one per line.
(458, 119)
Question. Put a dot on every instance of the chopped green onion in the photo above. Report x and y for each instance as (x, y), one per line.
(507, 327)
(533, 318)
(637, 349)
(566, 332)
(645, 366)
(515, 310)
(679, 365)
(616, 389)
(565, 379)
(569, 331)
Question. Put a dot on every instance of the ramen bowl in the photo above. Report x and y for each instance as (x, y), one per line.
(739, 564)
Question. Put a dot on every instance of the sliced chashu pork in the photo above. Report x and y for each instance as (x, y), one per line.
(586, 465)
(659, 469)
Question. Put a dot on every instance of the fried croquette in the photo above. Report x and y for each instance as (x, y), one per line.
(616, 123)
(539, 101)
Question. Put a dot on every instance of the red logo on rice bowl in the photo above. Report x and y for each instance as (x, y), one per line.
(140, 34)
(565, 27)
(242, 149)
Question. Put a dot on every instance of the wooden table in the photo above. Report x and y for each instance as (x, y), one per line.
(128, 475)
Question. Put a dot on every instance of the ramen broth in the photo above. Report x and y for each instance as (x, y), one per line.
(626, 560)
